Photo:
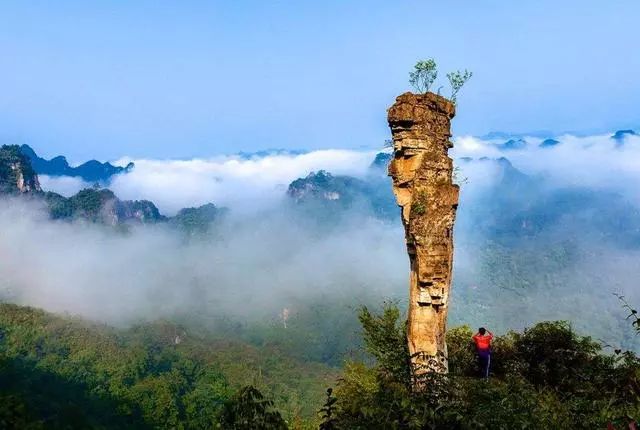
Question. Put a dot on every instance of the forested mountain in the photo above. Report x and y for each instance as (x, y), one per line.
(101, 206)
(326, 195)
(97, 205)
(57, 372)
(522, 244)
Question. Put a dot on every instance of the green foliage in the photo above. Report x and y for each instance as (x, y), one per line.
(462, 358)
(324, 330)
(327, 412)
(323, 196)
(55, 372)
(425, 73)
(88, 203)
(418, 208)
(546, 377)
(385, 338)
(423, 76)
(457, 80)
(197, 220)
(100, 205)
(14, 414)
(552, 355)
(59, 207)
(419, 205)
(10, 156)
(249, 410)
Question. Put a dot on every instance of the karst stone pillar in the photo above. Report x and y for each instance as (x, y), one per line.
(423, 185)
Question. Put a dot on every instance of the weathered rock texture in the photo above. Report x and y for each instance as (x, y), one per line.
(423, 185)
(16, 174)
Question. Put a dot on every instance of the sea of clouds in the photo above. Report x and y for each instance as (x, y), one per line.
(256, 182)
(242, 183)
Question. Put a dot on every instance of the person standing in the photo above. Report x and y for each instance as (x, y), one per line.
(482, 339)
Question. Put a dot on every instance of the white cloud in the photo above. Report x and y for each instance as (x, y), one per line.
(230, 181)
(65, 185)
(591, 161)
(252, 266)
(261, 260)
(247, 185)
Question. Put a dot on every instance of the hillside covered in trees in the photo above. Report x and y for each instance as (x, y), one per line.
(61, 372)
(205, 365)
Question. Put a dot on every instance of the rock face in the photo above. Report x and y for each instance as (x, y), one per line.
(326, 196)
(323, 186)
(422, 183)
(381, 161)
(102, 206)
(16, 174)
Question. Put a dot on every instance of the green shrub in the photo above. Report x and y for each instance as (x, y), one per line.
(460, 350)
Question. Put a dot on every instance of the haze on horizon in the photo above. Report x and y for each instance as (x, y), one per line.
(193, 79)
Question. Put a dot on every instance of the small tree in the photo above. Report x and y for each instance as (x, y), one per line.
(250, 410)
(328, 412)
(633, 313)
(424, 74)
(457, 79)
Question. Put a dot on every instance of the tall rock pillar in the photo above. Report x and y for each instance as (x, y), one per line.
(423, 185)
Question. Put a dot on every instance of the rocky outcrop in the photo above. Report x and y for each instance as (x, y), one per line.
(194, 221)
(422, 183)
(326, 196)
(102, 206)
(381, 162)
(323, 185)
(16, 174)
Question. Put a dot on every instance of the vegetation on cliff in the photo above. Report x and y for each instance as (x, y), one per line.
(96, 204)
(425, 73)
(16, 168)
(198, 220)
(323, 194)
(545, 377)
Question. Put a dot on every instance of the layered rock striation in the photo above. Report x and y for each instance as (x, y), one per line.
(422, 174)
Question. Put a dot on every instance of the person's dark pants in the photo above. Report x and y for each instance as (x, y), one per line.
(484, 362)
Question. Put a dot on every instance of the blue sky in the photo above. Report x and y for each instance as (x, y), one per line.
(198, 78)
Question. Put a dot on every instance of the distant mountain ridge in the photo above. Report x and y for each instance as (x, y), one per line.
(621, 135)
(269, 153)
(90, 171)
(511, 209)
(518, 142)
(96, 204)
